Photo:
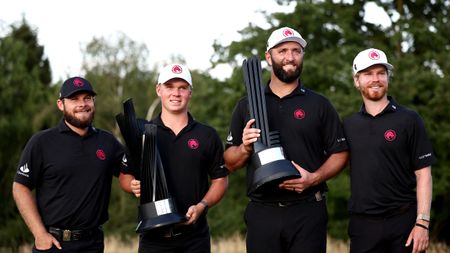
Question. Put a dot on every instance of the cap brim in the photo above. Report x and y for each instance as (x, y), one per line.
(300, 41)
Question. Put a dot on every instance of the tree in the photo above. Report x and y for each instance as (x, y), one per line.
(25, 93)
(417, 43)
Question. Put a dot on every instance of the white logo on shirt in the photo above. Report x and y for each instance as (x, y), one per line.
(24, 170)
(124, 160)
(230, 137)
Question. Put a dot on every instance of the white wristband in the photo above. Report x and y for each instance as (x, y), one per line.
(422, 216)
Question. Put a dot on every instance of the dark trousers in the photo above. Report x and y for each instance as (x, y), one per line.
(195, 241)
(93, 244)
(300, 227)
(381, 234)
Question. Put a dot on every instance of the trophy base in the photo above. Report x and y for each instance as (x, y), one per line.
(272, 173)
(157, 214)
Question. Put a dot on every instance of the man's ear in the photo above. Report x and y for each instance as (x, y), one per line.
(60, 104)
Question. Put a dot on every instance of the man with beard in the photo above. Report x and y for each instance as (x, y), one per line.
(70, 167)
(390, 165)
(293, 216)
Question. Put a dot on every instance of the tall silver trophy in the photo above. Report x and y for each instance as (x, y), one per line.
(157, 209)
(268, 158)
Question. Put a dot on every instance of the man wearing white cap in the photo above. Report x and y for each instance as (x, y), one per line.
(191, 152)
(390, 165)
(293, 217)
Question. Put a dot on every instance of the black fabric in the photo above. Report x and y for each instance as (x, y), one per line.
(92, 244)
(385, 151)
(310, 131)
(72, 175)
(298, 228)
(381, 235)
(189, 159)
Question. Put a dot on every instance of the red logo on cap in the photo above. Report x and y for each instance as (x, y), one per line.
(299, 114)
(177, 69)
(288, 33)
(77, 82)
(100, 154)
(193, 143)
(374, 55)
(390, 135)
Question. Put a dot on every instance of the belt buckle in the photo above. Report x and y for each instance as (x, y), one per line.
(67, 234)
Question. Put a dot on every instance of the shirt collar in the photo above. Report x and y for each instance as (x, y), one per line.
(63, 128)
(299, 90)
(391, 107)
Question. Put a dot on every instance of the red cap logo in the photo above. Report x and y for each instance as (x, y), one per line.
(374, 55)
(299, 114)
(193, 143)
(288, 33)
(77, 82)
(177, 69)
(390, 135)
(101, 154)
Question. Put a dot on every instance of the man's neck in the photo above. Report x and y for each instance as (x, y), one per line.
(282, 89)
(375, 107)
(176, 122)
(79, 131)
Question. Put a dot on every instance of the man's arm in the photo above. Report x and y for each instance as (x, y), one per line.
(129, 184)
(28, 209)
(419, 235)
(213, 196)
(330, 168)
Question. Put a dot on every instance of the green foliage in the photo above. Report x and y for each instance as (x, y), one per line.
(24, 91)
(416, 42)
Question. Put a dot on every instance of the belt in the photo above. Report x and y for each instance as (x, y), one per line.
(68, 235)
(316, 197)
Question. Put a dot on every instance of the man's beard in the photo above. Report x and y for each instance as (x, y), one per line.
(78, 123)
(283, 75)
(374, 96)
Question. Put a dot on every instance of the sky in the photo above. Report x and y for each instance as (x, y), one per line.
(186, 28)
(167, 27)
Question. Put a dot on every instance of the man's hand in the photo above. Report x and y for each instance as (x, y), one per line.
(419, 238)
(135, 186)
(306, 180)
(45, 241)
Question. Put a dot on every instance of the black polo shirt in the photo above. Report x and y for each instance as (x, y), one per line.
(189, 160)
(310, 131)
(385, 151)
(72, 175)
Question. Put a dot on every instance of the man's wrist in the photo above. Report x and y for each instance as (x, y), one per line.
(205, 204)
(423, 216)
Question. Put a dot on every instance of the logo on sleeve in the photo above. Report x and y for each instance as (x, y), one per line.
(229, 137)
(101, 154)
(193, 143)
(24, 170)
(390, 135)
(299, 114)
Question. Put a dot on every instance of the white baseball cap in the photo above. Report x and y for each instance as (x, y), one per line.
(370, 57)
(284, 34)
(172, 71)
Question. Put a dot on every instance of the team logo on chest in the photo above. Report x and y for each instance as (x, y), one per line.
(100, 154)
(193, 143)
(390, 135)
(299, 114)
